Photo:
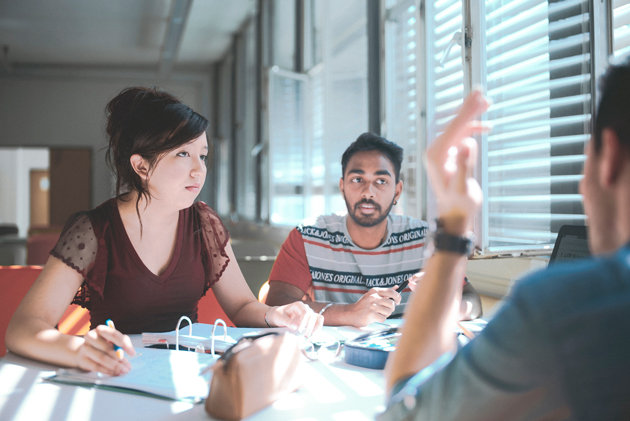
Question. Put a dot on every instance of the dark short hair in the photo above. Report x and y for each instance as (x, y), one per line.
(613, 111)
(371, 142)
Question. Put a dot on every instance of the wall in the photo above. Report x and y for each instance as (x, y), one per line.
(66, 108)
(15, 167)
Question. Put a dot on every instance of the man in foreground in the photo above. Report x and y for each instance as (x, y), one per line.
(558, 349)
(350, 265)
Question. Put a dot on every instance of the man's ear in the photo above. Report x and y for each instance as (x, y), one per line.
(140, 166)
(399, 189)
(612, 156)
(341, 186)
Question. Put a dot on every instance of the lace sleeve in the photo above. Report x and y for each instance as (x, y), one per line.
(81, 247)
(77, 245)
(214, 237)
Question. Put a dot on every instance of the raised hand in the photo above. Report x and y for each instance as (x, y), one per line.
(450, 163)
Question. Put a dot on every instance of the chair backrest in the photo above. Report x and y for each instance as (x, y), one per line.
(15, 282)
(262, 293)
(209, 310)
(75, 321)
(38, 246)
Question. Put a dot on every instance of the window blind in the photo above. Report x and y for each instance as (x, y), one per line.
(446, 71)
(402, 68)
(538, 75)
(621, 27)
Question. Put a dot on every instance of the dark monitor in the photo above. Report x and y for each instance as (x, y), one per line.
(572, 243)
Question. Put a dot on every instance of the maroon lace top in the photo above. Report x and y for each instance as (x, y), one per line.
(118, 286)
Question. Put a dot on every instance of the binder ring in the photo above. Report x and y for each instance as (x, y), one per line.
(218, 322)
(189, 330)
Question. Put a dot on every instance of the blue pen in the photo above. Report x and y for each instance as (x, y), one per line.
(119, 351)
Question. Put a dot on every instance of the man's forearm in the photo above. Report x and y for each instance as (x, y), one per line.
(430, 317)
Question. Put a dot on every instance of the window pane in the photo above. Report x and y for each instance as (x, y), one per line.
(313, 32)
(314, 117)
(286, 150)
(283, 22)
(621, 27)
(403, 100)
(445, 71)
(538, 75)
(346, 99)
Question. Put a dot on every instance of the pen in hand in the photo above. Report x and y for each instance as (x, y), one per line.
(399, 288)
(119, 351)
(402, 286)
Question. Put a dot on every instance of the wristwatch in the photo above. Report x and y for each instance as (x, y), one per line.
(452, 243)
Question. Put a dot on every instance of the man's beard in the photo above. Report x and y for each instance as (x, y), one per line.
(367, 221)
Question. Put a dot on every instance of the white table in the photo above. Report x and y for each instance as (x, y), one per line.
(334, 391)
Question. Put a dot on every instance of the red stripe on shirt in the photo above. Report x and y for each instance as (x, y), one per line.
(356, 291)
(373, 253)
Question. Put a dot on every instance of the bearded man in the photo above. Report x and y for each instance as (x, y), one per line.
(350, 265)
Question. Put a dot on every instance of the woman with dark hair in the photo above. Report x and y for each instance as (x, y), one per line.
(147, 256)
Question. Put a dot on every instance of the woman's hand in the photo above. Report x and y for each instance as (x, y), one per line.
(97, 352)
(296, 316)
(451, 159)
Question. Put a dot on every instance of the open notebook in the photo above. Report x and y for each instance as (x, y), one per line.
(166, 373)
(155, 372)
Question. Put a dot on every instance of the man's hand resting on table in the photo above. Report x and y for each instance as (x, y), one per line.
(375, 305)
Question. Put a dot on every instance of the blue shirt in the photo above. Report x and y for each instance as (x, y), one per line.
(559, 347)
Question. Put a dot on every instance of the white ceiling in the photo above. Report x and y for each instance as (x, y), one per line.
(115, 32)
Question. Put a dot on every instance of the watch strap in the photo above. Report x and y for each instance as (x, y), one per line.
(452, 243)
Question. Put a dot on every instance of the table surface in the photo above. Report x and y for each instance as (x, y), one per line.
(334, 390)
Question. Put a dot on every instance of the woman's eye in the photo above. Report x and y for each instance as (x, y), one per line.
(183, 154)
(204, 158)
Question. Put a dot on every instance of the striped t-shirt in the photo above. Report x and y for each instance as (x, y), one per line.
(319, 258)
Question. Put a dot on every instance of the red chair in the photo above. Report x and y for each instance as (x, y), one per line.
(38, 246)
(209, 310)
(15, 282)
(75, 321)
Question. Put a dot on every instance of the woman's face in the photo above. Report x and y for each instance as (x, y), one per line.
(179, 176)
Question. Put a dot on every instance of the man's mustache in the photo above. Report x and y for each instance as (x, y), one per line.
(367, 202)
